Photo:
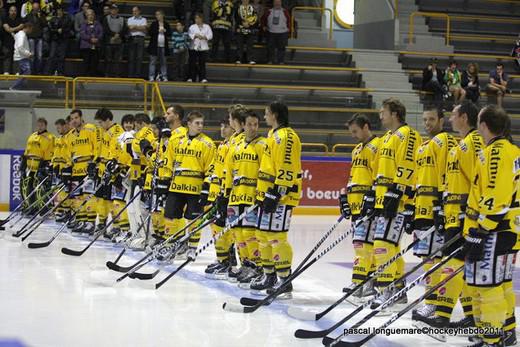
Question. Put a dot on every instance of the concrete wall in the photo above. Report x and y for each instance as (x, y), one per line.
(374, 25)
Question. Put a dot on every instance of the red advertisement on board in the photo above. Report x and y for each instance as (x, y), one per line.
(323, 179)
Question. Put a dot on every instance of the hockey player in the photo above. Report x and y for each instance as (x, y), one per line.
(59, 161)
(490, 227)
(36, 160)
(83, 144)
(142, 137)
(241, 181)
(460, 165)
(394, 190)
(221, 268)
(362, 172)
(431, 179)
(279, 191)
(190, 165)
(112, 195)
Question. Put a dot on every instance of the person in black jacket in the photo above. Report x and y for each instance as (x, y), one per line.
(158, 48)
(39, 22)
(433, 80)
(61, 29)
(470, 82)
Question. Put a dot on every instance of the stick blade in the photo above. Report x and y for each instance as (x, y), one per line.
(229, 307)
(249, 301)
(72, 252)
(114, 267)
(309, 334)
(144, 276)
(327, 341)
(2, 228)
(301, 314)
(34, 245)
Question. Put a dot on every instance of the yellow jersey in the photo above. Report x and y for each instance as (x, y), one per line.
(431, 161)
(459, 169)
(216, 172)
(139, 161)
(40, 147)
(362, 172)
(191, 163)
(281, 166)
(242, 171)
(60, 158)
(83, 146)
(110, 148)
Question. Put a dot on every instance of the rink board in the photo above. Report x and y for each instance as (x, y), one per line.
(323, 180)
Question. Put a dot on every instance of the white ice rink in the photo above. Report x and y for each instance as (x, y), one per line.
(51, 299)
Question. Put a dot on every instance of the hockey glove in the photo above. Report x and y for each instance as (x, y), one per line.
(91, 170)
(111, 166)
(23, 165)
(66, 174)
(438, 217)
(408, 223)
(44, 170)
(391, 202)
(222, 204)
(204, 194)
(344, 207)
(271, 200)
(369, 203)
(474, 244)
(146, 147)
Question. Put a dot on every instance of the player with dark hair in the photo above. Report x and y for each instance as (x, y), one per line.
(362, 173)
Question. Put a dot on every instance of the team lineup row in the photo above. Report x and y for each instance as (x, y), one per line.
(458, 199)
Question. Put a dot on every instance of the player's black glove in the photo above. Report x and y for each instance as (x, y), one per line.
(222, 204)
(23, 165)
(344, 207)
(146, 147)
(391, 202)
(66, 174)
(408, 223)
(474, 244)
(271, 200)
(44, 169)
(92, 170)
(369, 203)
(204, 194)
(438, 217)
(111, 166)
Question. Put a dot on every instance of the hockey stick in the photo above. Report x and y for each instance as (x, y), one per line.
(12, 214)
(328, 341)
(267, 300)
(120, 255)
(304, 315)
(75, 253)
(113, 266)
(311, 334)
(256, 303)
(175, 248)
(209, 243)
(63, 226)
(31, 222)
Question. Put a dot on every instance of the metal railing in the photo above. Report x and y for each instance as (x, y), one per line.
(316, 145)
(310, 8)
(342, 145)
(157, 104)
(105, 80)
(53, 79)
(429, 14)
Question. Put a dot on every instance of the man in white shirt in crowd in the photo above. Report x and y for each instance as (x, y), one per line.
(22, 54)
(137, 26)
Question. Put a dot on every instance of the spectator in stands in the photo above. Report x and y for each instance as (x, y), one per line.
(37, 18)
(137, 26)
(221, 23)
(515, 52)
(276, 23)
(80, 18)
(106, 10)
(433, 80)
(453, 79)
(49, 7)
(11, 25)
(158, 47)
(15, 3)
(498, 83)
(180, 46)
(246, 21)
(26, 8)
(470, 82)
(200, 34)
(60, 29)
(113, 30)
(22, 54)
(91, 34)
